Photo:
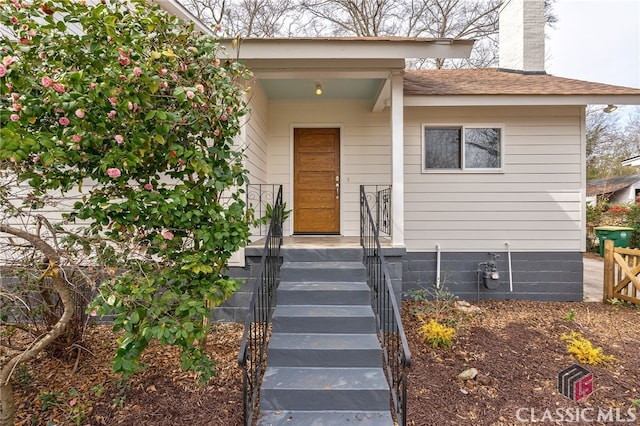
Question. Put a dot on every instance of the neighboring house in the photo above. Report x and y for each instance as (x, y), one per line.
(479, 160)
(633, 161)
(618, 190)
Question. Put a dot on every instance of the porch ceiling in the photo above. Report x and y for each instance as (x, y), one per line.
(332, 88)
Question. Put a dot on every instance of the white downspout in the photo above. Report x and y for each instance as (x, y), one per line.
(438, 266)
(510, 270)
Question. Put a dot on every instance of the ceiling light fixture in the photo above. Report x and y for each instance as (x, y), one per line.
(318, 89)
(610, 108)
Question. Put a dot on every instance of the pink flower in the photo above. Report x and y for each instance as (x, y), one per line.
(93, 314)
(112, 114)
(64, 121)
(137, 71)
(119, 139)
(123, 77)
(167, 235)
(92, 86)
(76, 138)
(16, 106)
(113, 172)
(163, 72)
(216, 62)
(35, 159)
(216, 132)
(124, 61)
(148, 187)
(58, 87)
(14, 117)
(223, 117)
(3, 70)
(190, 94)
(14, 20)
(8, 60)
(130, 106)
(200, 88)
(112, 101)
(174, 77)
(46, 81)
(42, 55)
(164, 85)
(79, 113)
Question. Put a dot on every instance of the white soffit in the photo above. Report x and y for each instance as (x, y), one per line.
(345, 48)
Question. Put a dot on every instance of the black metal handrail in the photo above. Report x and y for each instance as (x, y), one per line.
(253, 349)
(379, 199)
(397, 357)
(261, 197)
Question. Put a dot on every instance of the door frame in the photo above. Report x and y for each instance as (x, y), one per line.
(291, 201)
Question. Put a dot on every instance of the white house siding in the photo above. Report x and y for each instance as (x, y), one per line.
(253, 135)
(365, 148)
(535, 204)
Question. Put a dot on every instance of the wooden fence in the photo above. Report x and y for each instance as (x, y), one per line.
(621, 273)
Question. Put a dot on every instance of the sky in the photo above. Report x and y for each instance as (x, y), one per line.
(596, 40)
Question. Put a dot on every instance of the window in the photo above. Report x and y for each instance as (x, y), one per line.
(471, 148)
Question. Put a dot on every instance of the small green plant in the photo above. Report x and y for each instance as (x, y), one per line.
(23, 377)
(49, 400)
(583, 350)
(436, 334)
(571, 315)
(121, 385)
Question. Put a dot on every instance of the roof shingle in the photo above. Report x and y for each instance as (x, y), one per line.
(493, 81)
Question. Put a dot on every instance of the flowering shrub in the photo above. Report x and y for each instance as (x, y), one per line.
(436, 334)
(129, 106)
(583, 350)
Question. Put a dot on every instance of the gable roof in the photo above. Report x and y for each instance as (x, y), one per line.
(506, 83)
(610, 185)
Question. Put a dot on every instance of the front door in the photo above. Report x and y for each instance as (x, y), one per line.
(316, 182)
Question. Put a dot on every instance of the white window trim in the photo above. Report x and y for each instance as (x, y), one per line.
(462, 126)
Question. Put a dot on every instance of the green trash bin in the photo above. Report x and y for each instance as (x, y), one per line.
(620, 235)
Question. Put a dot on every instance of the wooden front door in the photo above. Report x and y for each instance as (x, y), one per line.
(316, 184)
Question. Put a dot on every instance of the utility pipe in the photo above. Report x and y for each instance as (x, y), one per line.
(438, 266)
(510, 273)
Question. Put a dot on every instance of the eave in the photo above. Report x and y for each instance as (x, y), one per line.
(519, 100)
(350, 48)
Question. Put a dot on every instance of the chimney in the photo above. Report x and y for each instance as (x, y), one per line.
(521, 30)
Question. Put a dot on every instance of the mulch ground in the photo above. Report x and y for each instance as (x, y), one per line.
(516, 347)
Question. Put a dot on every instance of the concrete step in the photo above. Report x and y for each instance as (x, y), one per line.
(323, 319)
(324, 418)
(324, 389)
(322, 271)
(324, 350)
(324, 293)
(322, 254)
